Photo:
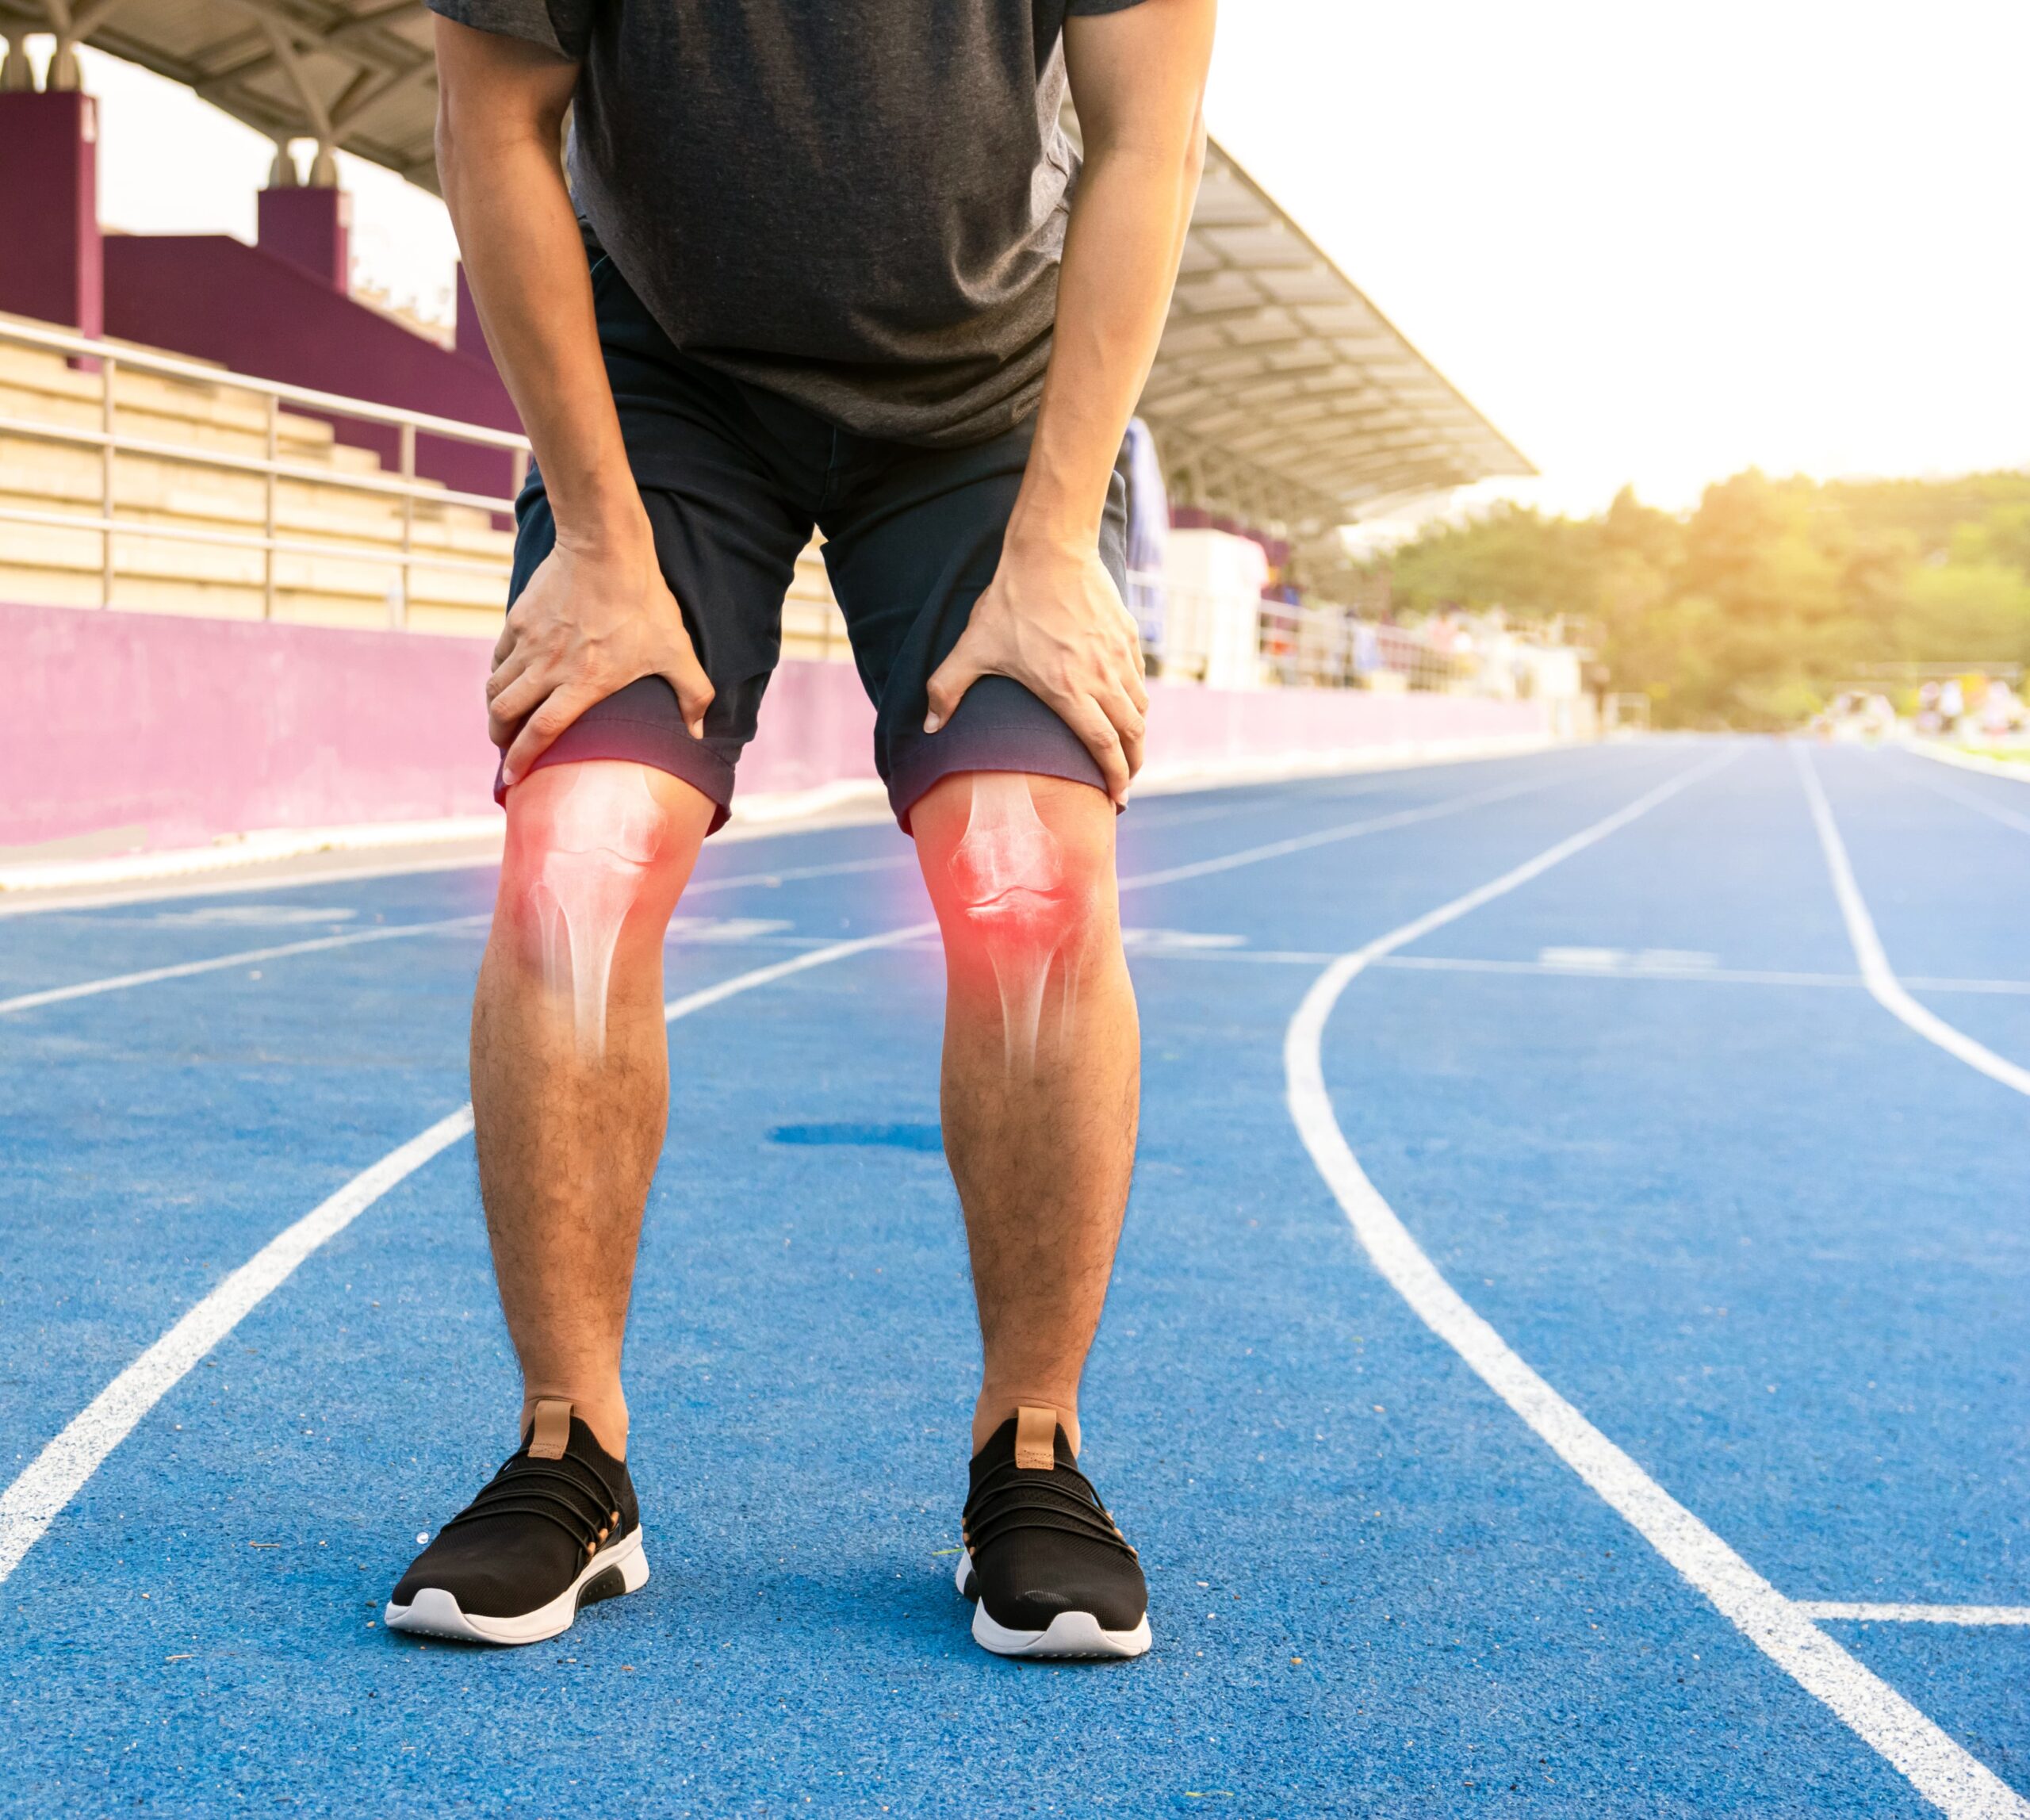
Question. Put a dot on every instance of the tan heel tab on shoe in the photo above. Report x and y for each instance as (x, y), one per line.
(551, 1433)
(1035, 1440)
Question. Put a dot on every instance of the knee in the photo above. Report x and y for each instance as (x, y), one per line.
(592, 843)
(1016, 859)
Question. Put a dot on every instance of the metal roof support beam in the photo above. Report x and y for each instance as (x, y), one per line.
(324, 167)
(62, 72)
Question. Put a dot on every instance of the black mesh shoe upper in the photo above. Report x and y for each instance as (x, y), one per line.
(1042, 1542)
(530, 1532)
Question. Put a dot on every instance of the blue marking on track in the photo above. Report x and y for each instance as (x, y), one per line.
(1765, 1237)
(927, 1137)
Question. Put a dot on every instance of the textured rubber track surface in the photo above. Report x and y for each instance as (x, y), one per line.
(1640, 1111)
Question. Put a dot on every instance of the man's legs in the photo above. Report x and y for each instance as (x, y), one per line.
(570, 1064)
(1042, 1059)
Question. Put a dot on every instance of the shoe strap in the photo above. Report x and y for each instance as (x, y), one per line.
(1009, 1497)
(568, 1491)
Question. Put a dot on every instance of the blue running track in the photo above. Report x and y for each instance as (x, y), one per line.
(1637, 1108)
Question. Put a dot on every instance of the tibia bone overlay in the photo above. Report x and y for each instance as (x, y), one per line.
(1017, 894)
(602, 832)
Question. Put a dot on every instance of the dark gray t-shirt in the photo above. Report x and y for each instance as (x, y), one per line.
(859, 204)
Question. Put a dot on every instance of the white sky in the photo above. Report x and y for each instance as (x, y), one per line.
(1653, 241)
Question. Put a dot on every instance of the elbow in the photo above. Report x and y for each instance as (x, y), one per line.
(446, 146)
(1154, 146)
(453, 132)
(475, 137)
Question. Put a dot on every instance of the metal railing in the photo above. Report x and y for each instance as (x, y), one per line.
(405, 486)
(1321, 646)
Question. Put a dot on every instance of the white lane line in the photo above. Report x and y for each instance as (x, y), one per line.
(1940, 1769)
(1346, 831)
(1451, 963)
(185, 969)
(1882, 984)
(781, 875)
(53, 1479)
(2007, 987)
(1867, 1614)
(247, 957)
(1994, 811)
(50, 1481)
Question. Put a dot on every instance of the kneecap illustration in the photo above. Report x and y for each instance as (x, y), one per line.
(1011, 881)
(605, 831)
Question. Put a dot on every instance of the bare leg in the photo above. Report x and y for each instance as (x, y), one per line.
(1042, 1067)
(570, 1064)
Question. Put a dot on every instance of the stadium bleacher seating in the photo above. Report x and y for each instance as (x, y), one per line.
(65, 565)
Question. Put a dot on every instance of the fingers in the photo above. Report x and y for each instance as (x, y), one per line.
(949, 683)
(694, 692)
(1136, 684)
(516, 687)
(506, 671)
(1131, 723)
(559, 709)
(1100, 738)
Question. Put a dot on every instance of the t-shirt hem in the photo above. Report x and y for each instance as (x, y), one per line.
(528, 20)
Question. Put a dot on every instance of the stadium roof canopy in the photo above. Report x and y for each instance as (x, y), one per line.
(1280, 394)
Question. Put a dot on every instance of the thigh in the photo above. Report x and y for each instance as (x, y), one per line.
(912, 541)
(728, 530)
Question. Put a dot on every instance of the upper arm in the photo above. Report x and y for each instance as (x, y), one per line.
(1137, 69)
(490, 79)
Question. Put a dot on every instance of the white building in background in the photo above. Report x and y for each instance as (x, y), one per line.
(1213, 583)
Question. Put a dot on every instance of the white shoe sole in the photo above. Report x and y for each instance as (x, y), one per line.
(1071, 1633)
(435, 1613)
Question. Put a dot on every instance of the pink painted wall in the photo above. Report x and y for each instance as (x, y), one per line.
(1188, 725)
(194, 728)
(198, 727)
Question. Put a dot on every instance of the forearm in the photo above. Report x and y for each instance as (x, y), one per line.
(1120, 258)
(1138, 77)
(525, 261)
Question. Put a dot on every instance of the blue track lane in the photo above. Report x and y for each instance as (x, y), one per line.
(1766, 1238)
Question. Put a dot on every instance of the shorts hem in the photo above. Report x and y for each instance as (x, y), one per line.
(924, 761)
(640, 742)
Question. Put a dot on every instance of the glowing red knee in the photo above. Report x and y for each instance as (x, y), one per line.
(589, 843)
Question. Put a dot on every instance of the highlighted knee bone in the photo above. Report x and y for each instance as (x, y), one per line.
(1009, 876)
(595, 846)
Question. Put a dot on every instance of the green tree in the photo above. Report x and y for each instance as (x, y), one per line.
(1751, 610)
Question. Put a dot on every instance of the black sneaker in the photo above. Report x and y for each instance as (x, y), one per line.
(555, 1529)
(1051, 1573)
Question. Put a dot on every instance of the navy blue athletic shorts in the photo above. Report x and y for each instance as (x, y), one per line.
(734, 479)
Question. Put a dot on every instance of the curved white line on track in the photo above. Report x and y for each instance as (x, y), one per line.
(31, 1504)
(1940, 1769)
(49, 1481)
(218, 964)
(1882, 984)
